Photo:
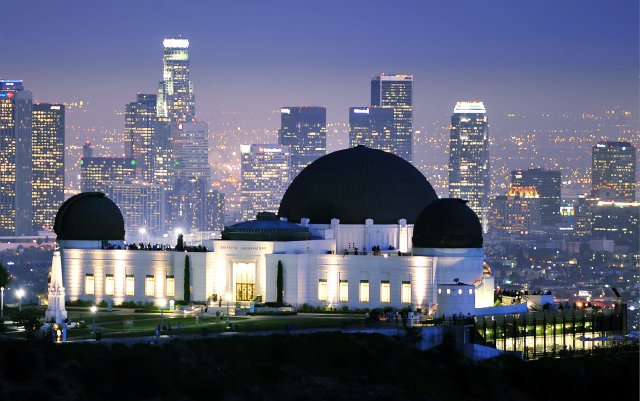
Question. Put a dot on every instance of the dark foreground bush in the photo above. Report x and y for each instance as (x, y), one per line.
(325, 366)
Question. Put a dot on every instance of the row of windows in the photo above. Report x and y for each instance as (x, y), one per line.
(343, 291)
(129, 285)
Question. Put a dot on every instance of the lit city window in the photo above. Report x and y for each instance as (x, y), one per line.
(364, 290)
(150, 286)
(323, 294)
(171, 286)
(109, 285)
(385, 291)
(406, 292)
(344, 291)
(129, 285)
(89, 284)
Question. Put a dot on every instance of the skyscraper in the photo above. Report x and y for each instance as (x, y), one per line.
(265, 175)
(372, 127)
(613, 166)
(16, 209)
(141, 204)
(140, 132)
(518, 211)
(548, 184)
(395, 91)
(191, 151)
(47, 143)
(175, 94)
(96, 172)
(163, 166)
(304, 129)
(469, 157)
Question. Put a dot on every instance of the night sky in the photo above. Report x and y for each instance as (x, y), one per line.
(255, 56)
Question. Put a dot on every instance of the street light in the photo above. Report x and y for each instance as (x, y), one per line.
(163, 304)
(94, 309)
(20, 294)
(142, 230)
(228, 320)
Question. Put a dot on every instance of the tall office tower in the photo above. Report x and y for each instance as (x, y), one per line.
(213, 211)
(618, 222)
(469, 157)
(304, 129)
(613, 166)
(47, 143)
(16, 209)
(175, 95)
(163, 171)
(265, 175)
(548, 184)
(96, 172)
(372, 127)
(395, 91)
(191, 151)
(141, 204)
(518, 211)
(188, 207)
(87, 149)
(140, 127)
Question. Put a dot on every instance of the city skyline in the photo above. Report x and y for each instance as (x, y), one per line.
(538, 58)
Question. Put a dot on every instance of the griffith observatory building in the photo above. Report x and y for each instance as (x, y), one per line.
(359, 227)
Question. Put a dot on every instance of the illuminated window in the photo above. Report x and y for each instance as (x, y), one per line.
(109, 285)
(406, 292)
(171, 286)
(364, 290)
(385, 291)
(89, 284)
(439, 290)
(323, 294)
(459, 291)
(129, 285)
(344, 291)
(470, 291)
(448, 291)
(149, 286)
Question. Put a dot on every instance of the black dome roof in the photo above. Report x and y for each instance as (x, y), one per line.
(357, 184)
(89, 216)
(447, 223)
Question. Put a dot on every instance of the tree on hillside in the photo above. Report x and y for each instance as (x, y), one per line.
(279, 284)
(5, 277)
(187, 280)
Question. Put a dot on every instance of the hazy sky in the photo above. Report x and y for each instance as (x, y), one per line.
(257, 55)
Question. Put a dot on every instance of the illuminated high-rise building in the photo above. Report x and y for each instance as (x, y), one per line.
(140, 133)
(395, 91)
(372, 127)
(548, 184)
(191, 151)
(613, 167)
(518, 211)
(96, 172)
(163, 166)
(469, 157)
(304, 129)
(47, 143)
(16, 208)
(175, 94)
(265, 175)
(141, 204)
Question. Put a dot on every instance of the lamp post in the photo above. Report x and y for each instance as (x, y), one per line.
(2, 303)
(163, 304)
(20, 294)
(142, 231)
(228, 320)
(94, 309)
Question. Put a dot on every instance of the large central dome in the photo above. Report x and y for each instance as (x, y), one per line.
(357, 184)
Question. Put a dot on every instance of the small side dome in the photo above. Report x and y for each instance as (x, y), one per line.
(447, 223)
(89, 216)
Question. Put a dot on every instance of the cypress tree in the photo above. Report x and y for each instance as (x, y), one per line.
(187, 280)
(279, 284)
